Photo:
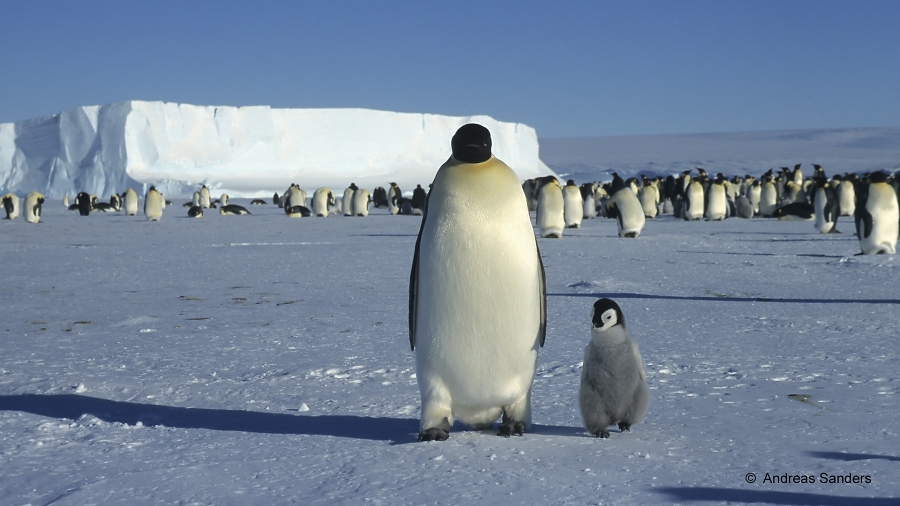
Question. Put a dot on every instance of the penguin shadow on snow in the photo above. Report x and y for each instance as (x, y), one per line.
(737, 495)
(743, 253)
(71, 406)
(725, 298)
(853, 457)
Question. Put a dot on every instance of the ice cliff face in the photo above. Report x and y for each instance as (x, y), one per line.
(241, 150)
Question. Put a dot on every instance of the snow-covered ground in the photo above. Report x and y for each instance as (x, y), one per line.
(265, 360)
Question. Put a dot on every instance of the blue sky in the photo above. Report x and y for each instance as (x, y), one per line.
(565, 68)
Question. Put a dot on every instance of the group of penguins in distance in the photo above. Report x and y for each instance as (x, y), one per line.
(477, 289)
(872, 199)
(356, 202)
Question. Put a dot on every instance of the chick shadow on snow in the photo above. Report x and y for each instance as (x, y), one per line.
(71, 406)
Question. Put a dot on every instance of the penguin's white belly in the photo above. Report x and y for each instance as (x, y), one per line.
(715, 209)
(478, 313)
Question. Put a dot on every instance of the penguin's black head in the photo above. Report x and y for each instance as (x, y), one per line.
(878, 177)
(471, 144)
(606, 314)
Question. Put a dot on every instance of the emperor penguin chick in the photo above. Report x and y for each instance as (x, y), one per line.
(613, 383)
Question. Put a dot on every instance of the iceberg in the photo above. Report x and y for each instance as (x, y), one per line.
(244, 151)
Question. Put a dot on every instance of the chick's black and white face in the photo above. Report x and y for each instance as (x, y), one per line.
(606, 314)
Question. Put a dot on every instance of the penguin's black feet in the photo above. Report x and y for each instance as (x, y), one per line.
(624, 427)
(511, 428)
(434, 434)
(602, 433)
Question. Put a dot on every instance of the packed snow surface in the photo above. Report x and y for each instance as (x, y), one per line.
(264, 360)
(250, 151)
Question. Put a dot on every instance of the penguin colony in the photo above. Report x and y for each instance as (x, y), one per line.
(477, 297)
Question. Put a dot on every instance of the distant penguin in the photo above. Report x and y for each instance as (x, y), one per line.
(297, 211)
(744, 207)
(294, 196)
(550, 208)
(232, 209)
(395, 197)
(361, 202)
(768, 197)
(625, 207)
(195, 199)
(419, 199)
(83, 201)
(257, 202)
(846, 194)
(589, 210)
(65, 201)
(573, 205)
(379, 198)
(716, 200)
(130, 202)
(877, 216)
(649, 197)
(195, 212)
(322, 199)
(153, 204)
(11, 206)
(477, 301)
(347, 202)
(276, 199)
(753, 193)
(795, 211)
(110, 207)
(32, 207)
(825, 204)
(693, 201)
(613, 382)
(528, 186)
(223, 200)
(204, 197)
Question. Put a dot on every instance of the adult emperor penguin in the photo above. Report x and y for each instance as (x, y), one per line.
(477, 302)
(11, 206)
(613, 382)
(32, 207)
(846, 194)
(361, 202)
(824, 201)
(232, 210)
(419, 199)
(347, 201)
(204, 197)
(717, 200)
(131, 202)
(649, 197)
(573, 205)
(768, 196)
(323, 198)
(83, 201)
(693, 201)
(154, 204)
(394, 197)
(877, 216)
(625, 207)
(588, 190)
(550, 208)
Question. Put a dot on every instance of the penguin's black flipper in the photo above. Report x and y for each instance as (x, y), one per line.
(414, 283)
(542, 330)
